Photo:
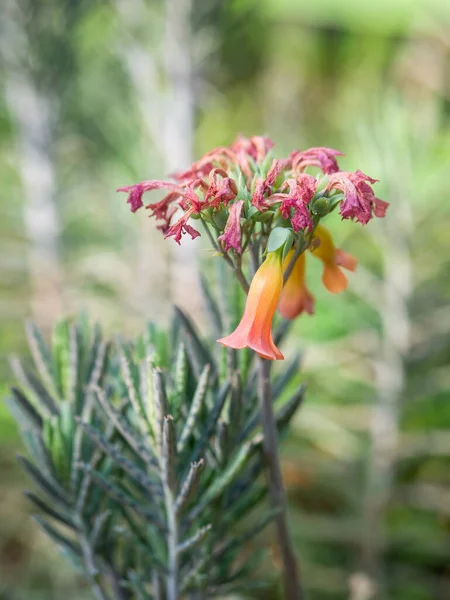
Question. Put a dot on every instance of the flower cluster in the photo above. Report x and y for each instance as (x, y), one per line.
(244, 196)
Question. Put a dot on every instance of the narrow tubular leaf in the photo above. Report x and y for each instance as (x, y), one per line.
(137, 586)
(221, 442)
(239, 541)
(169, 454)
(49, 511)
(149, 542)
(287, 411)
(130, 377)
(72, 382)
(212, 308)
(223, 480)
(125, 430)
(100, 523)
(189, 486)
(198, 353)
(198, 537)
(282, 381)
(34, 385)
(211, 423)
(41, 357)
(98, 366)
(180, 379)
(146, 392)
(196, 406)
(50, 487)
(123, 498)
(78, 441)
(57, 536)
(28, 415)
(127, 465)
(279, 385)
(161, 405)
(282, 331)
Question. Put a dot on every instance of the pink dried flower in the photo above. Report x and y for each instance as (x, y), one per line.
(321, 157)
(264, 187)
(360, 202)
(301, 192)
(220, 191)
(181, 227)
(231, 236)
(136, 191)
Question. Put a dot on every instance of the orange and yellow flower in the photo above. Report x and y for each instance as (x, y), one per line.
(255, 329)
(333, 259)
(296, 297)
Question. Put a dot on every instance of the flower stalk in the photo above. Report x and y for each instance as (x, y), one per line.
(291, 573)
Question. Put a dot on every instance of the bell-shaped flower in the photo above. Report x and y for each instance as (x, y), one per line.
(295, 297)
(333, 259)
(255, 329)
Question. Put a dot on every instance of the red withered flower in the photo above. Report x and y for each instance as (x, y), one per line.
(360, 202)
(231, 236)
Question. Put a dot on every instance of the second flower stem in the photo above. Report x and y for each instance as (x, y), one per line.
(291, 579)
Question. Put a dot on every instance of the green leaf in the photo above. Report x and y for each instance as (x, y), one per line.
(42, 359)
(151, 485)
(198, 353)
(212, 308)
(130, 436)
(49, 486)
(24, 411)
(211, 422)
(195, 408)
(51, 512)
(56, 536)
(280, 237)
(35, 387)
(123, 497)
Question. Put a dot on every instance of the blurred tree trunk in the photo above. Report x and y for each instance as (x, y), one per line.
(167, 111)
(34, 113)
(390, 379)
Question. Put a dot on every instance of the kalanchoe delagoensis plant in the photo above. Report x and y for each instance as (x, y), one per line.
(146, 458)
(270, 209)
(248, 201)
(147, 454)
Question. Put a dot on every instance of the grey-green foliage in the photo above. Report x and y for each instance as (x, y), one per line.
(146, 455)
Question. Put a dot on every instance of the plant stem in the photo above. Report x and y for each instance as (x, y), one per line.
(291, 579)
(172, 542)
(89, 560)
(236, 266)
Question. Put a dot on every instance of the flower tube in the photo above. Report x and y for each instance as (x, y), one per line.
(255, 329)
(295, 297)
(333, 258)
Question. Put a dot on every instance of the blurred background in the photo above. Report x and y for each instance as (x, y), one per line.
(96, 94)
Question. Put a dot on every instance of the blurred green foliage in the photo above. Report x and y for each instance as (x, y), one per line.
(367, 460)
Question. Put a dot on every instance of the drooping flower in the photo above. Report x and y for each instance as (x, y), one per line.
(264, 186)
(220, 191)
(301, 192)
(255, 329)
(181, 227)
(136, 191)
(324, 158)
(295, 297)
(360, 202)
(333, 258)
(231, 236)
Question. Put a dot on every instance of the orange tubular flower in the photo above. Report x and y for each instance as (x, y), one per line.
(296, 297)
(255, 329)
(333, 278)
